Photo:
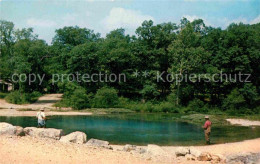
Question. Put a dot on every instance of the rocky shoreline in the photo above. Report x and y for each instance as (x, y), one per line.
(150, 152)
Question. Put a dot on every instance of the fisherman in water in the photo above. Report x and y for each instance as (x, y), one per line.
(207, 129)
(41, 118)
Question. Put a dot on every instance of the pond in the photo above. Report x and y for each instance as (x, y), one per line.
(140, 129)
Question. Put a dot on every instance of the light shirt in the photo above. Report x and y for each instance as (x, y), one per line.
(40, 115)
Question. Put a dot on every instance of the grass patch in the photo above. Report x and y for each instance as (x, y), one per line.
(3, 95)
(98, 110)
(22, 98)
(25, 109)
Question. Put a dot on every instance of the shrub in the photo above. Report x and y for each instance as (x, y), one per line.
(123, 102)
(3, 95)
(105, 98)
(172, 98)
(233, 101)
(79, 99)
(149, 92)
(165, 107)
(196, 105)
(17, 97)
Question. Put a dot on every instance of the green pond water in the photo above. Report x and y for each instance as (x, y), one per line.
(140, 129)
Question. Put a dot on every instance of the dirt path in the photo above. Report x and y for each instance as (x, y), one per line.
(47, 101)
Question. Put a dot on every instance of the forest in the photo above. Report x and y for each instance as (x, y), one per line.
(182, 49)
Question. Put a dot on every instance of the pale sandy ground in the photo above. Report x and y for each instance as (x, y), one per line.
(243, 122)
(47, 101)
(31, 150)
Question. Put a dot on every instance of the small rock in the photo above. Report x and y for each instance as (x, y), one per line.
(190, 157)
(244, 158)
(75, 137)
(140, 150)
(204, 157)
(155, 150)
(195, 152)
(215, 158)
(182, 151)
(19, 131)
(99, 143)
(129, 148)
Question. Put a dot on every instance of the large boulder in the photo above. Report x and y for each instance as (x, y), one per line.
(155, 150)
(7, 129)
(98, 143)
(182, 151)
(244, 158)
(44, 132)
(75, 137)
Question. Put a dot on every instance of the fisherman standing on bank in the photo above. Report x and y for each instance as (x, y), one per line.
(207, 129)
(41, 118)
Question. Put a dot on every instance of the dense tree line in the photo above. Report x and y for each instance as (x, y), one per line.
(179, 49)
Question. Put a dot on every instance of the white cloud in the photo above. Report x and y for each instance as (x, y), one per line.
(128, 19)
(222, 22)
(40, 22)
(256, 20)
(194, 17)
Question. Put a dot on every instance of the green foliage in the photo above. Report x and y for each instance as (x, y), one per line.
(149, 92)
(79, 99)
(196, 105)
(234, 100)
(165, 107)
(3, 95)
(105, 98)
(186, 48)
(249, 92)
(17, 97)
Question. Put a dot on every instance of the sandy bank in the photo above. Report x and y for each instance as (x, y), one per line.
(243, 122)
(38, 150)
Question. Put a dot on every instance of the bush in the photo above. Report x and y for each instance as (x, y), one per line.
(196, 105)
(22, 98)
(105, 98)
(172, 98)
(165, 107)
(149, 92)
(233, 101)
(3, 95)
(79, 99)
(123, 102)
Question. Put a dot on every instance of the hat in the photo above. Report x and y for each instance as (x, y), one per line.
(42, 109)
(207, 117)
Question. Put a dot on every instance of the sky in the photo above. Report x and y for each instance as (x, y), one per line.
(45, 16)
